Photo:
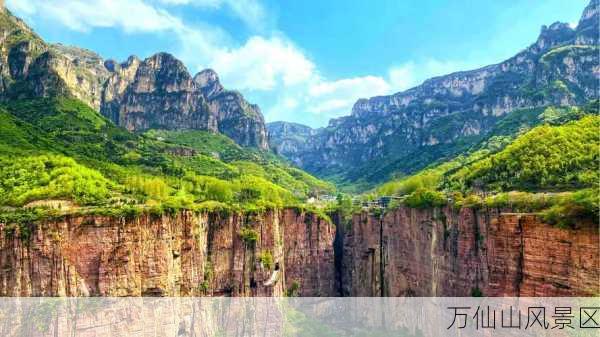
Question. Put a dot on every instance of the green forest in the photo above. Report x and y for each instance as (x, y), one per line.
(549, 165)
(60, 149)
(542, 160)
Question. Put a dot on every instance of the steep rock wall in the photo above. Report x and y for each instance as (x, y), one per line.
(407, 252)
(182, 255)
(444, 252)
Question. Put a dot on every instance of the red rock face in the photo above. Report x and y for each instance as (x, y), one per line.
(309, 254)
(183, 255)
(408, 252)
(443, 252)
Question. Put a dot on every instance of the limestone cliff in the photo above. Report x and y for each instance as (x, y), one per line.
(157, 92)
(408, 252)
(406, 131)
(444, 252)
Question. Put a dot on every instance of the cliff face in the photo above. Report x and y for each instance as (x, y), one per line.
(443, 252)
(408, 130)
(183, 255)
(157, 92)
(291, 139)
(407, 253)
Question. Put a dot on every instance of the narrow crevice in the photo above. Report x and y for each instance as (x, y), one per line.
(338, 253)
(381, 261)
(520, 261)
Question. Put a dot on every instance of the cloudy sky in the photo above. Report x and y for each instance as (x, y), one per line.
(302, 60)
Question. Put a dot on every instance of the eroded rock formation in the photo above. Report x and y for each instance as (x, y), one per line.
(408, 252)
(444, 252)
(182, 255)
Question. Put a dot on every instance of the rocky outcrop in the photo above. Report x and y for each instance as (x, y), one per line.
(408, 252)
(291, 139)
(157, 92)
(238, 119)
(84, 71)
(444, 252)
(182, 255)
(406, 131)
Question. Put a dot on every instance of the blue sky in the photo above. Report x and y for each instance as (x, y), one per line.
(304, 61)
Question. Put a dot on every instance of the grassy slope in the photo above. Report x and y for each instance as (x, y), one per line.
(369, 175)
(558, 158)
(505, 132)
(61, 148)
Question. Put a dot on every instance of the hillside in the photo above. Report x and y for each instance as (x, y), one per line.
(402, 133)
(552, 168)
(59, 148)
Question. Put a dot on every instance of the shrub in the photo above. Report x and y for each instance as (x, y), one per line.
(424, 198)
(293, 290)
(472, 201)
(249, 194)
(248, 235)
(476, 292)
(266, 259)
(580, 206)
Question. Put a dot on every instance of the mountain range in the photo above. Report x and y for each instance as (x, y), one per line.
(157, 92)
(396, 135)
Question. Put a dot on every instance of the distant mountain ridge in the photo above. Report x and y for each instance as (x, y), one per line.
(406, 131)
(157, 92)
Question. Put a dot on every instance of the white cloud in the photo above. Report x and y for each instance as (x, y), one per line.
(350, 85)
(129, 15)
(411, 74)
(573, 25)
(263, 64)
(251, 12)
(402, 77)
(21, 7)
(335, 98)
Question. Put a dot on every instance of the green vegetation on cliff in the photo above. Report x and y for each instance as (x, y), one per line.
(553, 165)
(546, 158)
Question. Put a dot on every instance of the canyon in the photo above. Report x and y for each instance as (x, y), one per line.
(405, 252)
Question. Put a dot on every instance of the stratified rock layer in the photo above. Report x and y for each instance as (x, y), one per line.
(442, 252)
(183, 255)
(408, 252)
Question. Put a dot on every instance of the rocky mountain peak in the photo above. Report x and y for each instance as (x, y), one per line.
(406, 131)
(209, 83)
(111, 65)
(162, 72)
(551, 36)
(159, 92)
(587, 29)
